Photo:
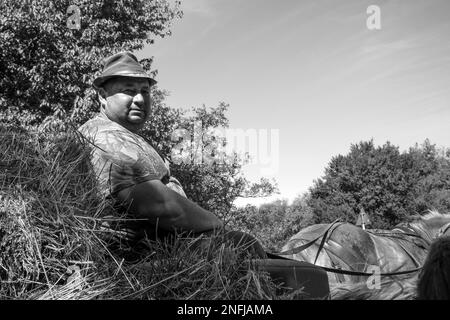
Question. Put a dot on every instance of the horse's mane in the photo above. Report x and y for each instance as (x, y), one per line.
(434, 214)
(425, 224)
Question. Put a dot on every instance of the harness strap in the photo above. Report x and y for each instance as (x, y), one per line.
(443, 230)
(308, 244)
(324, 238)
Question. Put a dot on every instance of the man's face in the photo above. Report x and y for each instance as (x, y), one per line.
(127, 101)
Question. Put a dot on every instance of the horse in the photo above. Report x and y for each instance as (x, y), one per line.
(345, 246)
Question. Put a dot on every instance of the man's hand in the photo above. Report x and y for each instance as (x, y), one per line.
(166, 208)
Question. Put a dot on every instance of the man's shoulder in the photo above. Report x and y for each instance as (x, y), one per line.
(96, 125)
(115, 141)
(101, 131)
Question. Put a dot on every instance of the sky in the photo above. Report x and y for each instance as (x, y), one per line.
(313, 72)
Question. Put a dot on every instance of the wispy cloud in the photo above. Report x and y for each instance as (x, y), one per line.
(201, 7)
(384, 49)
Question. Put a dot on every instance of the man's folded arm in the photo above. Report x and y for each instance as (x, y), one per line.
(154, 201)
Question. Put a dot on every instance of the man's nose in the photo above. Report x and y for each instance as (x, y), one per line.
(138, 99)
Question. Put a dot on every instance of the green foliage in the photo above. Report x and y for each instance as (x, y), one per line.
(432, 167)
(391, 186)
(262, 188)
(275, 222)
(46, 68)
(299, 216)
(164, 120)
(209, 176)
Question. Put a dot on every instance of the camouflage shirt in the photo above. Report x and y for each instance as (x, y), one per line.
(122, 159)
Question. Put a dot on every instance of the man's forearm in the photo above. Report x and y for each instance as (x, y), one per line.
(154, 201)
(188, 215)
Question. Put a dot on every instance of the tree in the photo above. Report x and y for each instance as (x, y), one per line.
(299, 216)
(163, 121)
(391, 186)
(275, 222)
(266, 222)
(432, 169)
(46, 68)
(210, 177)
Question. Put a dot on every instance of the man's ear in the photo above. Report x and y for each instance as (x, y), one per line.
(102, 96)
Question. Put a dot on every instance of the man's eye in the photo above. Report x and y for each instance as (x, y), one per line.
(129, 91)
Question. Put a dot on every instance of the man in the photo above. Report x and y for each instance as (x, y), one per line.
(131, 172)
(129, 169)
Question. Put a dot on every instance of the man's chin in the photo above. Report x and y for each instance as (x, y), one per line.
(136, 119)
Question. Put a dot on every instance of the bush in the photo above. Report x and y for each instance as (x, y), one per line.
(275, 222)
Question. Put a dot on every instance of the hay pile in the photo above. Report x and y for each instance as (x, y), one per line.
(53, 244)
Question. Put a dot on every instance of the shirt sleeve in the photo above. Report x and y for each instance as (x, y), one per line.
(175, 185)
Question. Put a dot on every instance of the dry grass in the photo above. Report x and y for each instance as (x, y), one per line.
(53, 246)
